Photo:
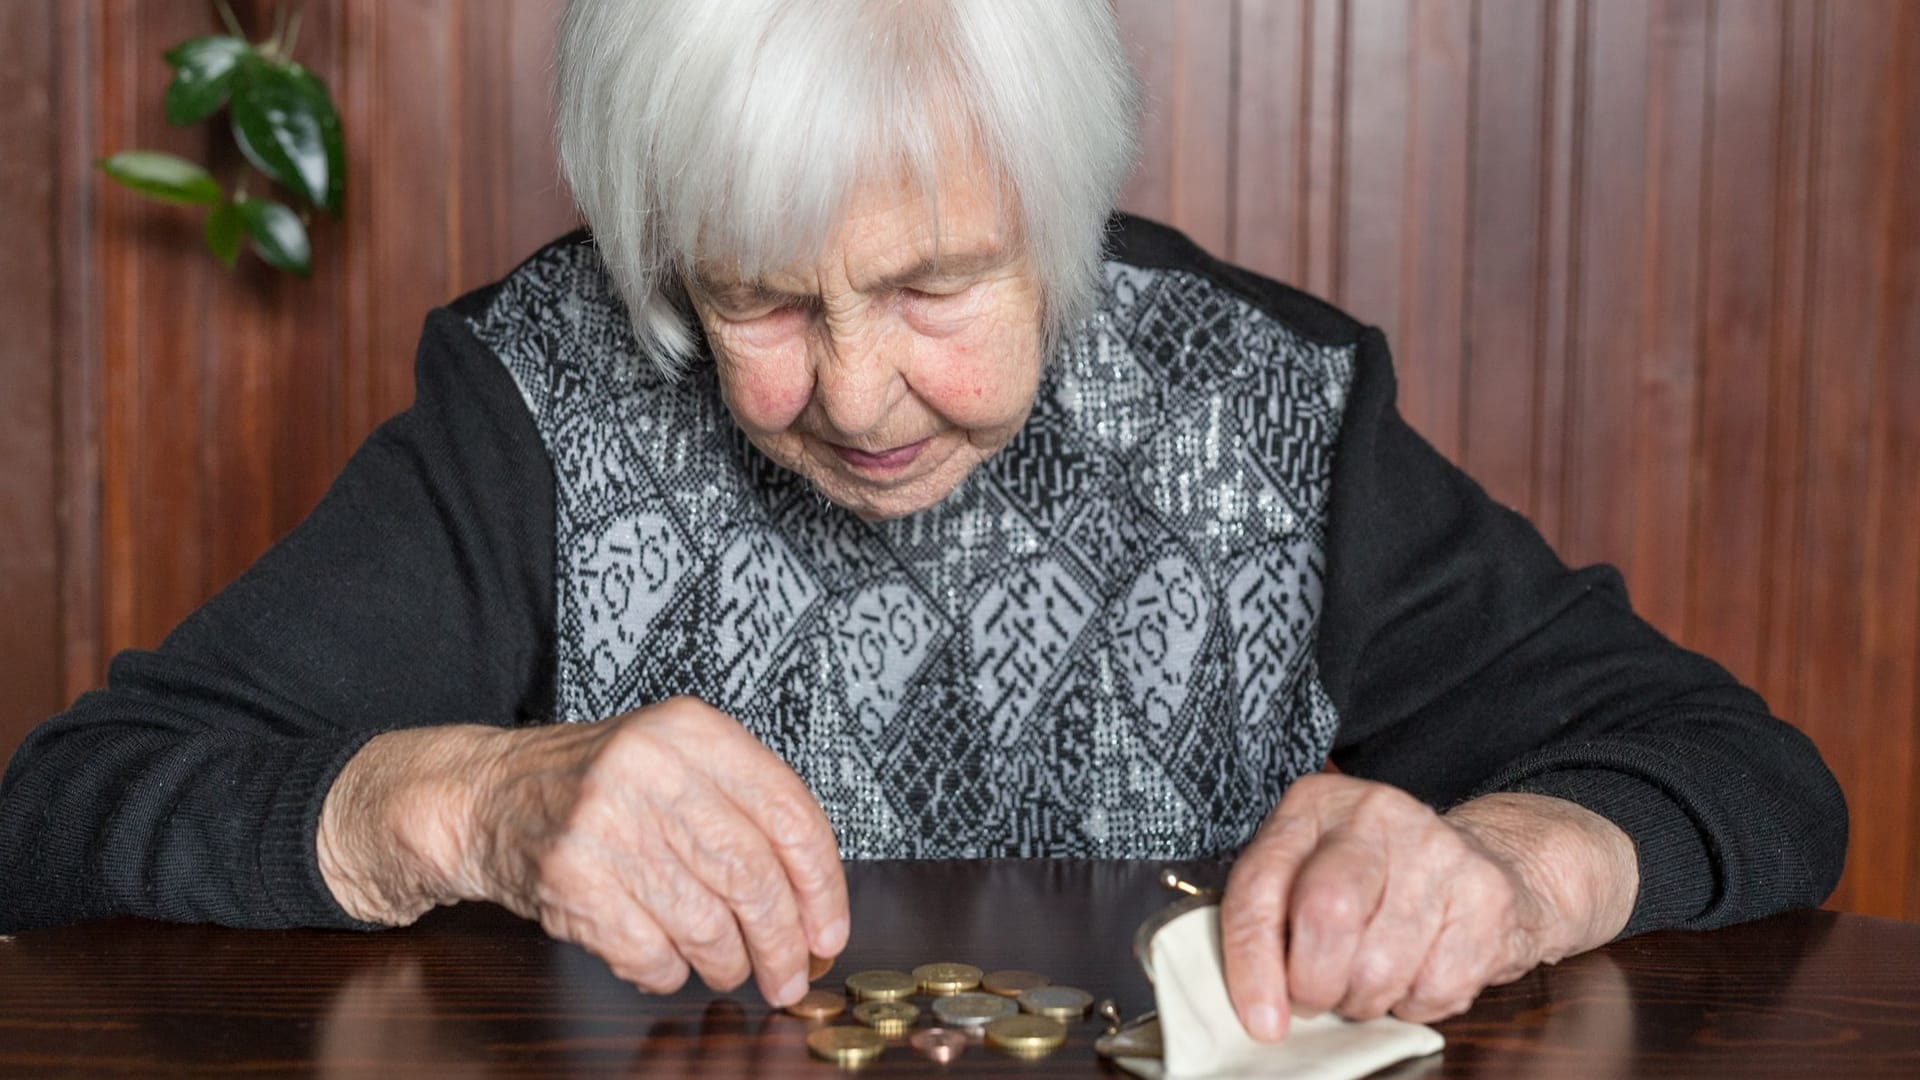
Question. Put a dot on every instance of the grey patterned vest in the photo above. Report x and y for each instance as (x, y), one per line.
(1100, 645)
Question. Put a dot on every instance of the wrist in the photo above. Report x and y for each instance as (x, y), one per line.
(1580, 867)
(397, 829)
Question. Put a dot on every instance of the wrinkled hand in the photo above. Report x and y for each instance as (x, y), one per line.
(663, 840)
(1356, 897)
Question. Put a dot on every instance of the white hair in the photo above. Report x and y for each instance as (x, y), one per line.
(733, 131)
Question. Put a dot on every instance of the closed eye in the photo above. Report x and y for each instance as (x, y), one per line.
(944, 292)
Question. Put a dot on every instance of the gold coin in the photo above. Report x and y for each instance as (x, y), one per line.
(887, 1017)
(1012, 983)
(819, 1005)
(940, 980)
(1026, 1036)
(882, 985)
(818, 966)
(847, 1046)
(1062, 1003)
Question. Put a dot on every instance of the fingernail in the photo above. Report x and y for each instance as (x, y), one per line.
(795, 989)
(1263, 1022)
(833, 938)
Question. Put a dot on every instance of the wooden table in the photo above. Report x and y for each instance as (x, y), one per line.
(474, 992)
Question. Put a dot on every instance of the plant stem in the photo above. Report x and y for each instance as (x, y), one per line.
(227, 16)
(279, 27)
(293, 32)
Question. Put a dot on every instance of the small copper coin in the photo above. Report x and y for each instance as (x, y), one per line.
(882, 985)
(940, 1044)
(939, 980)
(1026, 1036)
(819, 1005)
(818, 966)
(889, 1018)
(850, 1047)
(1012, 983)
(1062, 1003)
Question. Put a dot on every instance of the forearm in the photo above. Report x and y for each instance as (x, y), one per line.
(397, 833)
(1581, 866)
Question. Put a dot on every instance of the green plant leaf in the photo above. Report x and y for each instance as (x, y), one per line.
(331, 137)
(278, 237)
(163, 176)
(203, 73)
(280, 130)
(226, 227)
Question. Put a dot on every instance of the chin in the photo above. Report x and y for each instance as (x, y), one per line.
(880, 501)
(870, 502)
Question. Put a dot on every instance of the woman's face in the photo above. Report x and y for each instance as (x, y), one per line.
(879, 373)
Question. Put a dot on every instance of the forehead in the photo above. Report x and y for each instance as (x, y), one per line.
(958, 223)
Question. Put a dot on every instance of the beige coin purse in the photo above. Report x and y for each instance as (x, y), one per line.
(1194, 1031)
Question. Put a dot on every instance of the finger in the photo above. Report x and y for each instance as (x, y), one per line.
(1253, 918)
(1466, 948)
(1335, 896)
(787, 814)
(632, 943)
(1451, 974)
(648, 958)
(759, 923)
(700, 925)
(1394, 944)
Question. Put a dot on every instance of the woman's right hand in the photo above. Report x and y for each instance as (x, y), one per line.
(663, 840)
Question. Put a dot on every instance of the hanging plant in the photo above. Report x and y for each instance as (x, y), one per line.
(283, 121)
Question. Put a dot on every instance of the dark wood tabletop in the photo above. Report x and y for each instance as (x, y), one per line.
(473, 991)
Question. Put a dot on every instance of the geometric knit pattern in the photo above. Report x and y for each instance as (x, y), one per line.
(1100, 645)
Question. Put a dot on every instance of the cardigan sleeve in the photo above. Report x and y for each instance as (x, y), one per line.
(1465, 658)
(418, 592)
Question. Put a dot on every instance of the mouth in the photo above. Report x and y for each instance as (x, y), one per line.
(881, 464)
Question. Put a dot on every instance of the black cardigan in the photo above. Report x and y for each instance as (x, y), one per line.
(421, 591)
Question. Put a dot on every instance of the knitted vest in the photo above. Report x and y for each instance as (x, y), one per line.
(1101, 644)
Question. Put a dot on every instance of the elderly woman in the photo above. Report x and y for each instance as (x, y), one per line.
(861, 487)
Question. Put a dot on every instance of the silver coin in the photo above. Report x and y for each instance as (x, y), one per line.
(972, 1011)
(1059, 1002)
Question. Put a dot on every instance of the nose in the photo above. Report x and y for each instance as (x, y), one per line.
(855, 387)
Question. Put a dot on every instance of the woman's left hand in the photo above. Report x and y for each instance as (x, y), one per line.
(1356, 897)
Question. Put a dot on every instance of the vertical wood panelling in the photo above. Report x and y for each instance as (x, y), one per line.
(30, 638)
(1851, 203)
(1651, 269)
(1184, 52)
(1271, 120)
(1666, 401)
(1896, 676)
(1600, 505)
(1726, 560)
(1437, 194)
(413, 185)
(78, 314)
(1563, 141)
(1889, 598)
(155, 348)
(1505, 248)
(1788, 375)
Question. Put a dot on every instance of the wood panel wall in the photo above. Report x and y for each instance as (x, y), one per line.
(1651, 268)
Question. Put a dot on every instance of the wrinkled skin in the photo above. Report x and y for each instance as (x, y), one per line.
(1357, 898)
(899, 334)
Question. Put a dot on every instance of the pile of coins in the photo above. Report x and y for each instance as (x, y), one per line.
(1019, 1013)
